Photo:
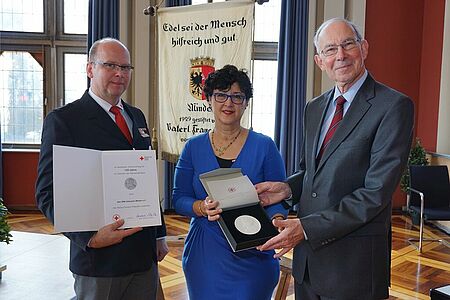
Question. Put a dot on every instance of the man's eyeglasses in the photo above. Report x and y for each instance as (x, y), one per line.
(114, 67)
(346, 45)
(235, 98)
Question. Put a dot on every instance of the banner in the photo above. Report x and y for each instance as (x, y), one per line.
(193, 42)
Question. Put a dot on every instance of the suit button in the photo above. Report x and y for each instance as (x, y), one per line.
(314, 195)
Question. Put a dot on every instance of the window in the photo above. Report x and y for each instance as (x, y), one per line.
(265, 67)
(267, 21)
(75, 79)
(21, 97)
(42, 64)
(22, 15)
(264, 94)
(76, 16)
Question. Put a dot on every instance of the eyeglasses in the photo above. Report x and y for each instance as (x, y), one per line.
(235, 98)
(114, 67)
(346, 45)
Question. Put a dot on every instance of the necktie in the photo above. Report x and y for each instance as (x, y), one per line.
(120, 121)
(337, 118)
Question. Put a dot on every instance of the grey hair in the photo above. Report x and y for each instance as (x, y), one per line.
(94, 48)
(330, 21)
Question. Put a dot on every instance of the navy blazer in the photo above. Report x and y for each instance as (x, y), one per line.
(345, 199)
(83, 123)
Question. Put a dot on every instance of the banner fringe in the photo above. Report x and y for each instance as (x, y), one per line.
(170, 157)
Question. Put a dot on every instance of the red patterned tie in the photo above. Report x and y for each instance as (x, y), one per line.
(120, 121)
(337, 118)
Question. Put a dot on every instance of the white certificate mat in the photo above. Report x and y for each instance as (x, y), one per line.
(233, 192)
(93, 188)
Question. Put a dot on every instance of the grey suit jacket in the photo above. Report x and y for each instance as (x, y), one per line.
(345, 200)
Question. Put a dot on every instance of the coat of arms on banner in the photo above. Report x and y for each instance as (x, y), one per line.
(200, 69)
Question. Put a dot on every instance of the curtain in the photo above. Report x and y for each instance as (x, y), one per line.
(1, 163)
(291, 90)
(169, 168)
(171, 3)
(103, 20)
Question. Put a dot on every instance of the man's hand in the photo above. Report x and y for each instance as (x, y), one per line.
(111, 234)
(286, 239)
(161, 249)
(272, 192)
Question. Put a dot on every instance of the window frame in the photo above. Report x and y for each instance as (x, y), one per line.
(265, 50)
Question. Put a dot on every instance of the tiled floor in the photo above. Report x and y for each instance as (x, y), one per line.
(37, 267)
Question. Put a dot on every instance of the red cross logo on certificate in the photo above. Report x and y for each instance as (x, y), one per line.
(141, 158)
(116, 217)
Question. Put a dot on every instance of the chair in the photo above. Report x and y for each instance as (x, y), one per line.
(285, 278)
(429, 190)
(440, 293)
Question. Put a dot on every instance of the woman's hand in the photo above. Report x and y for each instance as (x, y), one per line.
(212, 209)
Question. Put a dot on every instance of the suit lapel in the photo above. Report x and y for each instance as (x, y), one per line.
(140, 141)
(358, 108)
(317, 125)
(96, 114)
(134, 129)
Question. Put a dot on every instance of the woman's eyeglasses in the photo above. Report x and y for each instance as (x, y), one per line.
(235, 98)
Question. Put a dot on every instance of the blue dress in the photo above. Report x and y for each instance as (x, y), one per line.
(212, 269)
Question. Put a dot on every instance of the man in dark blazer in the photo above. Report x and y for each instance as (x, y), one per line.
(344, 188)
(111, 263)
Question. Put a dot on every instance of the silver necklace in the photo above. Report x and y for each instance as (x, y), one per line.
(221, 150)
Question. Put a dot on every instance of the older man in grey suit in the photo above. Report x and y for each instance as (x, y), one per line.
(356, 142)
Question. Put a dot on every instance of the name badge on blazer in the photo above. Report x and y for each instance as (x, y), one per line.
(143, 132)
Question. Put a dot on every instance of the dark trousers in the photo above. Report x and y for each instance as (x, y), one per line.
(137, 286)
(304, 290)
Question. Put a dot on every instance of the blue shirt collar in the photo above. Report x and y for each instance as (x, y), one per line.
(351, 93)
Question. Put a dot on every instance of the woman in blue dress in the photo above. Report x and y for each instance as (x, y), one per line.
(212, 269)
